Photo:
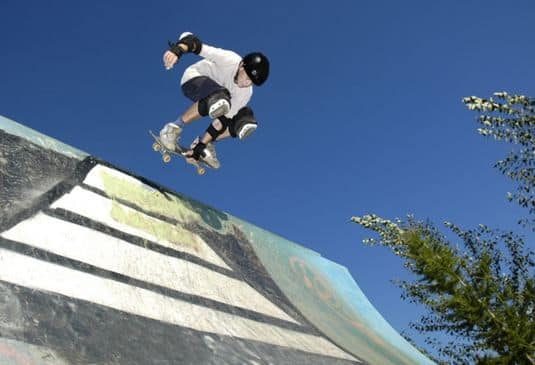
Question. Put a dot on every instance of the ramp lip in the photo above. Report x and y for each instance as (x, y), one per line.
(31, 135)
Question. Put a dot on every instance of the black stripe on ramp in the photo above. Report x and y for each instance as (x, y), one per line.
(85, 333)
(80, 220)
(50, 257)
(34, 204)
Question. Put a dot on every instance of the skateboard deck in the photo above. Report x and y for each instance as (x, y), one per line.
(167, 154)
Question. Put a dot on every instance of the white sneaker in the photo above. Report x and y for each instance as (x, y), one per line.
(211, 156)
(169, 135)
(219, 108)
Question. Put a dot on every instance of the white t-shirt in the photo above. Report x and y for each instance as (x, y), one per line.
(221, 66)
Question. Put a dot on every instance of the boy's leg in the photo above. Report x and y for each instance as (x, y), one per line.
(170, 133)
(216, 131)
(209, 98)
(216, 104)
(191, 114)
(205, 148)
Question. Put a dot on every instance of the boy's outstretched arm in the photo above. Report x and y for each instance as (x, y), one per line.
(186, 43)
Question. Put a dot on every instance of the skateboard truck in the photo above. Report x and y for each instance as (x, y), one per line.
(157, 146)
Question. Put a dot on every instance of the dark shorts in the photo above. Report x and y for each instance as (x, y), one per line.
(200, 87)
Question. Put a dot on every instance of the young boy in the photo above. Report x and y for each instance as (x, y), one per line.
(220, 86)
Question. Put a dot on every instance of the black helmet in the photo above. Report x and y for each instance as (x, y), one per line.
(256, 66)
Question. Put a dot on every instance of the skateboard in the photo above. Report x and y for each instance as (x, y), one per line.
(167, 154)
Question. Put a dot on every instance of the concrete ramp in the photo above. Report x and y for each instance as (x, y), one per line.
(100, 266)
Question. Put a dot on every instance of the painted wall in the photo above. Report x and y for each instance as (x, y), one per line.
(99, 265)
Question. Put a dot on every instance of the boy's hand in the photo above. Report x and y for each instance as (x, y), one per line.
(169, 59)
(189, 157)
(171, 56)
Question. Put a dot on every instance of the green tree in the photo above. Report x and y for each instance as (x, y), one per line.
(481, 292)
(511, 118)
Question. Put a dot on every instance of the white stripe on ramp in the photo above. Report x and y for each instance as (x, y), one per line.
(98, 208)
(113, 254)
(29, 272)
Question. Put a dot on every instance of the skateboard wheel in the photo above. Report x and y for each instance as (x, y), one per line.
(201, 171)
(156, 147)
(166, 158)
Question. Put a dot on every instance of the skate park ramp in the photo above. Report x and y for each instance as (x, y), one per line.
(100, 266)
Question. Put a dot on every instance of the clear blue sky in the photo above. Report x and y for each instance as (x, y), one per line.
(362, 112)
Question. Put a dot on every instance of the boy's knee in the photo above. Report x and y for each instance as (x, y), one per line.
(207, 102)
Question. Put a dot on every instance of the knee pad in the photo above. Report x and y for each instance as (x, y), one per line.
(243, 124)
(207, 102)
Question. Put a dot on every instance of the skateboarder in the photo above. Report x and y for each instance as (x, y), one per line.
(220, 86)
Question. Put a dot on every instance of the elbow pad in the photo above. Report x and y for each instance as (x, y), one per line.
(193, 44)
(191, 41)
